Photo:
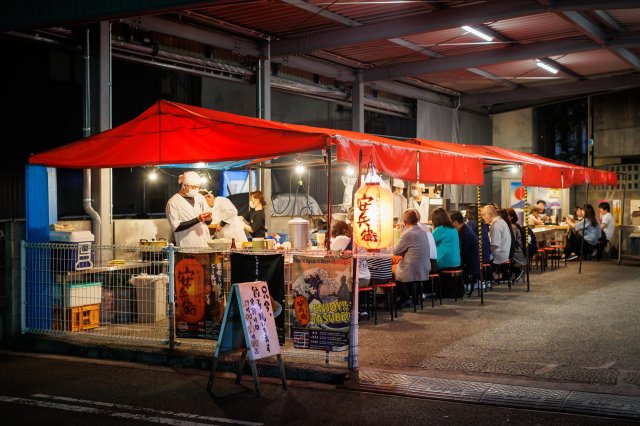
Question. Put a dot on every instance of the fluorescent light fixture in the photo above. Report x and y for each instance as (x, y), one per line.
(514, 169)
(477, 33)
(200, 165)
(544, 66)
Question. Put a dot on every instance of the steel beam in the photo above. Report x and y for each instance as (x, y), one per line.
(551, 91)
(435, 21)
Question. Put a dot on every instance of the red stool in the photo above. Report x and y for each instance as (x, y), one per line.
(369, 293)
(432, 278)
(388, 289)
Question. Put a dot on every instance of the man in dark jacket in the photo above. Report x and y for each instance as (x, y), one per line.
(469, 254)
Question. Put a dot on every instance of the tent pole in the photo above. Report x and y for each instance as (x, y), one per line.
(327, 148)
(584, 225)
(479, 219)
(354, 362)
(526, 234)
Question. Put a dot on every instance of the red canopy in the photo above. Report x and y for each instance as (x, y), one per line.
(536, 170)
(174, 133)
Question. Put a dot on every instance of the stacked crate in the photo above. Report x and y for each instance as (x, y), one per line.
(77, 308)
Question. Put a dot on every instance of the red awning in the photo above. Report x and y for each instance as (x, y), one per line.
(174, 133)
(536, 170)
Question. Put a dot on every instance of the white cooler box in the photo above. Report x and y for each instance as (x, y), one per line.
(151, 296)
(78, 294)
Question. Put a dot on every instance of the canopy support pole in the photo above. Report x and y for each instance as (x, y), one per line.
(479, 221)
(526, 234)
(354, 362)
(584, 225)
(327, 149)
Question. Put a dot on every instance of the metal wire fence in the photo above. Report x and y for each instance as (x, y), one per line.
(122, 294)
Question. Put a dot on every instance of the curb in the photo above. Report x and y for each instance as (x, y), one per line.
(164, 357)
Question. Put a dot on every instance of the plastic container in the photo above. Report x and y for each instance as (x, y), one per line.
(74, 251)
(78, 294)
(151, 297)
(299, 233)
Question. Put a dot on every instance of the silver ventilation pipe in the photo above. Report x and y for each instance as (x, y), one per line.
(86, 199)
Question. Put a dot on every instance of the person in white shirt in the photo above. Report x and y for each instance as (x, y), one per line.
(419, 202)
(399, 200)
(188, 213)
(499, 235)
(226, 220)
(607, 222)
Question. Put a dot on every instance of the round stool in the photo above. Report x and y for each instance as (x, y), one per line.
(456, 277)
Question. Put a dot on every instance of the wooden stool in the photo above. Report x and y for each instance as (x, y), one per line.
(369, 293)
(388, 289)
(456, 277)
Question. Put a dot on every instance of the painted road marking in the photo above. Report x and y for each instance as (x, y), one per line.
(110, 409)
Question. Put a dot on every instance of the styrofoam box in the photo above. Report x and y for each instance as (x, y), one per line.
(78, 294)
(151, 296)
(71, 237)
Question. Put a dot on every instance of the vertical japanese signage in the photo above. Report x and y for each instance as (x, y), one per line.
(199, 295)
(322, 302)
(259, 319)
(263, 267)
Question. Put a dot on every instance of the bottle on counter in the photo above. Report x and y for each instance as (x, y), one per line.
(233, 243)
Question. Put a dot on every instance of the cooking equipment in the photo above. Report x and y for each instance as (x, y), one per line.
(152, 250)
(299, 233)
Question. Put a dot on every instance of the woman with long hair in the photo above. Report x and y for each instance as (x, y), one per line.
(586, 229)
(519, 253)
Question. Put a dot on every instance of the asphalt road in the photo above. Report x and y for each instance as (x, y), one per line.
(61, 390)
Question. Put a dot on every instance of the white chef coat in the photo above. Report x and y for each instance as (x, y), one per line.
(180, 210)
(422, 207)
(399, 205)
(224, 210)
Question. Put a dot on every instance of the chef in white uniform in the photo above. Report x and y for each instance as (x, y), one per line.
(225, 216)
(189, 214)
(418, 201)
(399, 200)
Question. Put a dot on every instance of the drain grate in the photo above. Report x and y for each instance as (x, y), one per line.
(497, 394)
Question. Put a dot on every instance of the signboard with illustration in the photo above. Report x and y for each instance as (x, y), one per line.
(199, 294)
(322, 300)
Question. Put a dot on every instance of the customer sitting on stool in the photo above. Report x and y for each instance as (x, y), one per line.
(499, 235)
(413, 267)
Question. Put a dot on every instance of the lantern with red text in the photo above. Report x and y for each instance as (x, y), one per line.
(373, 216)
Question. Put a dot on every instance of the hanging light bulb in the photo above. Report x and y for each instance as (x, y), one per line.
(299, 169)
(373, 214)
(203, 179)
(349, 171)
(153, 176)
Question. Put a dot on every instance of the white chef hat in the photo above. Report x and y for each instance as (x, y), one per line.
(189, 178)
(397, 183)
(420, 186)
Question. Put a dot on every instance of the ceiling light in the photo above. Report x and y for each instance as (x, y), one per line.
(153, 175)
(349, 171)
(477, 33)
(514, 169)
(203, 179)
(299, 170)
(546, 67)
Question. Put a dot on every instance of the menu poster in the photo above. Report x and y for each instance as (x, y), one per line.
(199, 295)
(263, 267)
(322, 301)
